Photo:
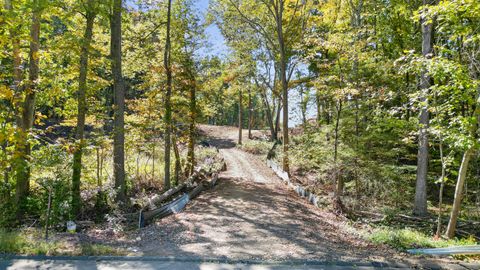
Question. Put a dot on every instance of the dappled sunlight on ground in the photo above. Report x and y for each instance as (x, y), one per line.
(252, 215)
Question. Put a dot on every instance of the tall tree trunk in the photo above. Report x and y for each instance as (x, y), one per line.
(269, 114)
(153, 159)
(420, 207)
(250, 114)
(81, 109)
(283, 79)
(99, 168)
(5, 195)
(319, 108)
(240, 118)
(442, 176)
(17, 68)
(6, 175)
(440, 193)
(17, 78)
(277, 120)
(168, 96)
(191, 130)
(303, 106)
(327, 111)
(119, 101)
(27, 113)
(178, 165)
(338, 180)
(407, 106)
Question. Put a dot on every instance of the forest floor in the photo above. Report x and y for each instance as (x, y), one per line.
(252, 215)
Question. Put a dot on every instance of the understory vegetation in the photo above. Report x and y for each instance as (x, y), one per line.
(404, 239)
(375, 192)
(32, 242)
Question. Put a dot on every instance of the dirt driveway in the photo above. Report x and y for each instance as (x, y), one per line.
(251, 214)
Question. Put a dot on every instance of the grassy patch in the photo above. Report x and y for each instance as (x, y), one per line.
(17, 242)
(256, 147)
(100, 250)
(31, 243)
(403, 239)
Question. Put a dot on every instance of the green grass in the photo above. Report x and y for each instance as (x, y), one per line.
(31, 243)
(20, 243)
(403, 239)
(256, 147)
(100, 250)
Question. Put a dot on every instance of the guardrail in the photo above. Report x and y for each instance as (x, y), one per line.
(463, 250)
(299, 189)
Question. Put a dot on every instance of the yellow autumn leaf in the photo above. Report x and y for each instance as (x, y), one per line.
(6, 92)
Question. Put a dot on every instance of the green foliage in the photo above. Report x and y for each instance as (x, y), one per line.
(257, 147)
(403, 239)
(20, 243)
(52, 174)
(31, 242)
(205, 152)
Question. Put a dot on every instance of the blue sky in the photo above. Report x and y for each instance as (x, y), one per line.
(216, 42)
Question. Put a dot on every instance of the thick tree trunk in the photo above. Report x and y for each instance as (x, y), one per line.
(81, 110)
(240, 118)
(277, 120)
(119, 101)
(168, 96)
(27, 113)
(283, 79)
(420, 207)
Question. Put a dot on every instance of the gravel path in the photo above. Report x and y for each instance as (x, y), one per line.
(251, 214)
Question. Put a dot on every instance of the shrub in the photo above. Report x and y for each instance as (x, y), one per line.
(256, 147)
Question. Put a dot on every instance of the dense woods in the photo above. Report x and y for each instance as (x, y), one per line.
(373, 103)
